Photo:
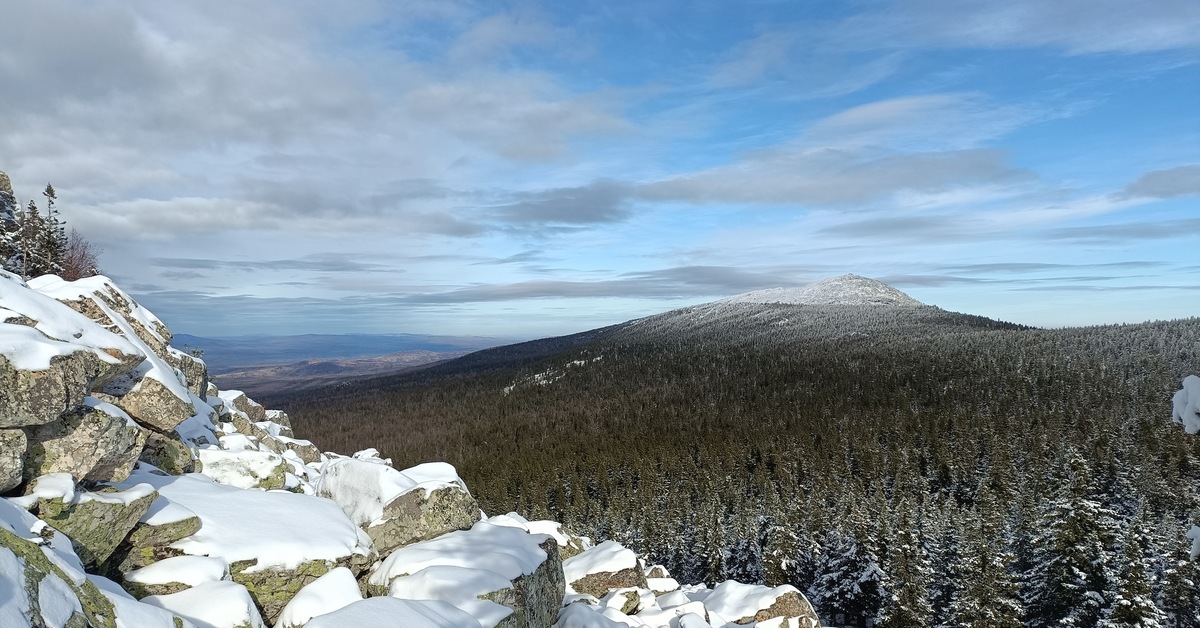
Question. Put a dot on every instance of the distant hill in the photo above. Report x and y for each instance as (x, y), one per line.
(264, 381)
(223, 354)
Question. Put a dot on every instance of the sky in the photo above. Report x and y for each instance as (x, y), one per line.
(529, 169)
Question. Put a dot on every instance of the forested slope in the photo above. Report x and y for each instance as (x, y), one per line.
(906, 464)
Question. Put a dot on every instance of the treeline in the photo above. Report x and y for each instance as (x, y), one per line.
(905, 467)
(34, 243)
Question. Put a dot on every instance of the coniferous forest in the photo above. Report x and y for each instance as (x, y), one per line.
(903, 466)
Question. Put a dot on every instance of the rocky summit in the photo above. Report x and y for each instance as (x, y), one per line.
(139, 495)
(846, 289)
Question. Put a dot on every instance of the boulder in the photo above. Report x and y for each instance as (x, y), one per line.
(169, 453)
(220, 604)
(502, 575)
(423, 514)
(280, 418)
(40, 396)
(273, 587)
(96, 441)
(150, 540)
(152, 401)
(12, 459)
(274, 542)
(304, 450)
(247, 406)
(244, 468)
(194, 370)
(332, 591)
(96, 522)
(749, 603)
(398, 508)
(101, 301)
(173, 575)
(600, 569)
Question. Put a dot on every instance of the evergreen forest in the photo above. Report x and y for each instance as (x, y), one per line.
(902, 466)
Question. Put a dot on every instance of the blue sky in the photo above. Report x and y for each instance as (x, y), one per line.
(535, 168)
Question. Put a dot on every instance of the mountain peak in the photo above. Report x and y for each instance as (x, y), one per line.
(846, 289)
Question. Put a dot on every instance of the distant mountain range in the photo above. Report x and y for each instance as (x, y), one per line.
(227, 353)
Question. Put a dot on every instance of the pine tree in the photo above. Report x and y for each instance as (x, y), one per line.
(1132, 603)
(909, 573)
(850, 589)
(988, 595)
(1067, 582)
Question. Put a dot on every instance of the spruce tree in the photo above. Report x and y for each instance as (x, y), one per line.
(909, 574)
(1132, 599)
(988, 595)
(1071, 573)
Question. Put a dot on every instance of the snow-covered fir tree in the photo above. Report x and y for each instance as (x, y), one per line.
(988, 597)
(1071, 572)
(850, 589)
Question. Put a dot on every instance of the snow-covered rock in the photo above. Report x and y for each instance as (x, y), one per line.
(332, 591)
(745, 603)
(96, 522)
(397, 508)
(604, 567)
(390, 611)
(96, 441)
(503, 575)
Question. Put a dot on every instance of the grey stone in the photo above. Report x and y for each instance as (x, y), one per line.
(153, 405)
(90, 443)
(194, 370)
(169, 453)
(39, 397)
(12, 458)
(419, 515)
(535, 598)
(95, 522)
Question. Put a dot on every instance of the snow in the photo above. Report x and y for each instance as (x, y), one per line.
(109, 409)
(57, 601)
(63, 330)
(460, 586)
(13, 608)
(239, 468)
(222, 604)
(390, 611)
(840, 290)
(1186, 402)
(189, 570)
(734, 600)
(363, 488)
(130, 612)
(507, 551)
(607, 557)
(332, 591)
(59, 486)
(275, 528)
(86, 288)
(57, 548)
(583, 616)
(164, 511)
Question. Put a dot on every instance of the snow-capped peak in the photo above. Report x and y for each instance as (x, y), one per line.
(841, 290)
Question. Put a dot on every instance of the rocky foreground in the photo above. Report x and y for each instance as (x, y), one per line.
(138, 495)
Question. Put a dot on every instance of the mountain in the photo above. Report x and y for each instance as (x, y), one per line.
(797, 436)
